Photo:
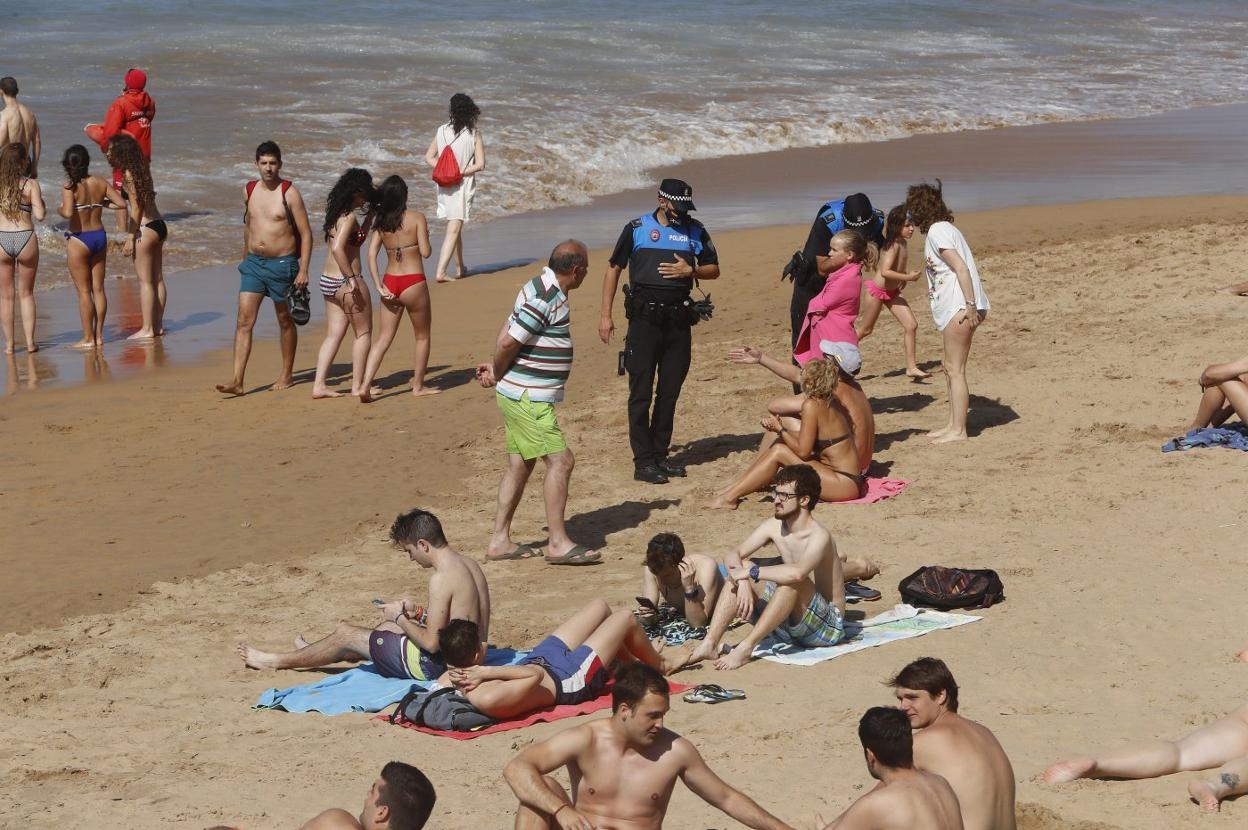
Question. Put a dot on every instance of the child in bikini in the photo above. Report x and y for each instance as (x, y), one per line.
(884, 289)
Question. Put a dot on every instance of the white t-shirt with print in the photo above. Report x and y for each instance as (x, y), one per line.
(943, 288)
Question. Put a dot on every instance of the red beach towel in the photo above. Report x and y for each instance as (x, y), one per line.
(879, 489)
(550, 714)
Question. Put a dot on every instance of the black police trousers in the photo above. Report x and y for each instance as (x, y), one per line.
(662, 347)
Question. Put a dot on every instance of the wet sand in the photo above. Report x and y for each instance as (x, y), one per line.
(151, 525)
(1196, 151)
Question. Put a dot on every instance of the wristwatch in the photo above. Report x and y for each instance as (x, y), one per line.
(754, 572)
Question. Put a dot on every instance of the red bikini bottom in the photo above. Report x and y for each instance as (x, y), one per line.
(396, 284)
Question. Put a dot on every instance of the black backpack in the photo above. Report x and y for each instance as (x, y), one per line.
(944, 588)
(443, 709)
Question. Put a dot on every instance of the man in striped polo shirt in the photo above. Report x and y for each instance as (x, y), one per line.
(532, 361)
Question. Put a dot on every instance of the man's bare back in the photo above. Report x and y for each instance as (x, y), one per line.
(911, 800)
(462, 579)
(971, 759)
(18, 126)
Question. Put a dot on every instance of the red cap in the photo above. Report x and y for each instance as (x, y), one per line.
(136, 79)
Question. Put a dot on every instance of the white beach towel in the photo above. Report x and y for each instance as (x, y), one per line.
(901, 623)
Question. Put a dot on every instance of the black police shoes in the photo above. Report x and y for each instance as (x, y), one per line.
(671, 468)
(651, 474)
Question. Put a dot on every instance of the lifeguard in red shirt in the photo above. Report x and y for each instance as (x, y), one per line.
(131, 113)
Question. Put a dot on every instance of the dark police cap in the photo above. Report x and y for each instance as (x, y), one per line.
(858, 212)
(678, 193)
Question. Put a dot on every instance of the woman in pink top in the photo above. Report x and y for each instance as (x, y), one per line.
(831, 314)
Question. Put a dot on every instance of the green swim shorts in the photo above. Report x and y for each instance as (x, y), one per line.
(532, 429)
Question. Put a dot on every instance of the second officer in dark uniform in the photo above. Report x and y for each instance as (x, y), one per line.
(664, 251)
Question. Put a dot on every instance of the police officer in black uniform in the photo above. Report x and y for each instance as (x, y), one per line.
(664, 251)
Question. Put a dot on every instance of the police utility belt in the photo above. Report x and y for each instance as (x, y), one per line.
(644, 305)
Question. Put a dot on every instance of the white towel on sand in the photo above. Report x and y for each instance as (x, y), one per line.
(900, 623)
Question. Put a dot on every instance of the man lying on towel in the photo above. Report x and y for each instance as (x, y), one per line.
(405, 644)
(802, 600)
(623, 768)
(568, 667)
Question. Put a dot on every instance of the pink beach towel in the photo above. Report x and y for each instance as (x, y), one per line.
(550, 714)
(879, 489)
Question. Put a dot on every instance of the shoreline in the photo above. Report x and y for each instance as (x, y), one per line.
(1060, 500)
(1185, 153)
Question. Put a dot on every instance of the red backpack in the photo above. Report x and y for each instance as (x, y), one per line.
(446, 172)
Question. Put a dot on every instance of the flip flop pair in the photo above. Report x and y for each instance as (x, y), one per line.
(578, 555)
(713, 693)
(520, 552)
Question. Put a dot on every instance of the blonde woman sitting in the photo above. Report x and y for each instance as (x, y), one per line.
(824, 440)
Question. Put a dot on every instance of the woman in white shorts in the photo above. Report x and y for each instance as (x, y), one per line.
(460, 133)
(959, 303)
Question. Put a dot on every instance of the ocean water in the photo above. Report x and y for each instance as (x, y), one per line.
(581, 99)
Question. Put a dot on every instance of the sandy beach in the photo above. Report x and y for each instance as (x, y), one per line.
(151, 525)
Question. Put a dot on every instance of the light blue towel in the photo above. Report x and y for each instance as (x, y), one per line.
(1233, 436)
(360, 689)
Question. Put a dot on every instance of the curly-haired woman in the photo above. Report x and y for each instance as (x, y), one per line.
(146, 231)
(21, 205)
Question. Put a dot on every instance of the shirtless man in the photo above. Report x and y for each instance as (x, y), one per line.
(623, 768)
(405, 645)
(801, 600)
(688, 582)
(401, 799)
(906, 798)
(18, 125)
(964, 752)
(566, 668)
(1222, 744)
(277, 246)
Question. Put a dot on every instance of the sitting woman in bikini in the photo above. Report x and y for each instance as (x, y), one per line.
(405, 235)
(824, 440)
(1224, 392)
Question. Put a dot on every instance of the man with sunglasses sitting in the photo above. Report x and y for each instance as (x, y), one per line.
(800, 601)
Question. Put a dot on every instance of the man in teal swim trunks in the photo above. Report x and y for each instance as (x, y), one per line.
(277, 246)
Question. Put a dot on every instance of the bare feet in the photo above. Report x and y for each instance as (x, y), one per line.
(734, 659)
(254, 658)
(230, 388)
(141, 334)
(722, 503)
(949, 438)
(324, 392)
(915, 373)
(705, 650)
(31, 348)
(1243, 655)
(940, 433)
(1203, 793)
(677, 658)
(443, 278)
(85, 343)
(282, 383)
(422, 391)
(373, 391)
(8, 350)
(1066, 771)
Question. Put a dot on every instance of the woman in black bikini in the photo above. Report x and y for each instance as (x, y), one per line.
(825, 441)
(21, 205)
(147, 232)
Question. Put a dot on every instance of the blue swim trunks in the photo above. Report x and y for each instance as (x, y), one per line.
(578, 673)
(395, 655)
(273, 276)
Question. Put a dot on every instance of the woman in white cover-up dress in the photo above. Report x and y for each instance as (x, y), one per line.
(460, 133)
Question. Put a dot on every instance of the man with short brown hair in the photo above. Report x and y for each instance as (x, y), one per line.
(966, 753)
(18, 125)
(623, 768)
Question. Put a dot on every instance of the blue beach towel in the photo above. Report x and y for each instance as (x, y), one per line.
(360, 689)
(1234, 436)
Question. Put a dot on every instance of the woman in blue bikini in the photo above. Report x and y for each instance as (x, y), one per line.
(83, 199)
